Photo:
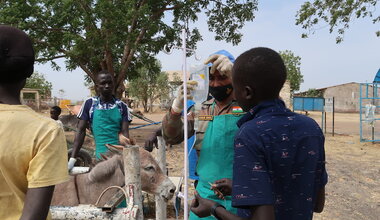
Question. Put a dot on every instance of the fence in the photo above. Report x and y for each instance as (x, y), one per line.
(133, 183)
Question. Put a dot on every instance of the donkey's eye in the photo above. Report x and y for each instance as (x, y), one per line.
(150, 168)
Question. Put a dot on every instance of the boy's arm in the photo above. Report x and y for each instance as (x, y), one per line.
(320, 202)
(204, 207)
(125, 129)
(79, 137)
(84, 118)
(37, 203)
(126, 119)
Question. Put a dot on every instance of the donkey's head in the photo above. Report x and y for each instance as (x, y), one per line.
(153, 180)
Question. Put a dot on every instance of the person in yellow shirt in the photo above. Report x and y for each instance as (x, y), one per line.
(33, 153)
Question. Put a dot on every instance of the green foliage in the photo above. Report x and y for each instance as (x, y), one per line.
(313, 93)
(149, 86)
(337, 14)
(120, 35)
(292, 63)
(38, 81)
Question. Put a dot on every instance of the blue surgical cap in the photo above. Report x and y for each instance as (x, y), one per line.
(225, 53)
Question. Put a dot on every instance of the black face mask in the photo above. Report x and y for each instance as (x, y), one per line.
(220, 93)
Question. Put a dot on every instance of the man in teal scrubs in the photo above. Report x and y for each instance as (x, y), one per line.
(216, 128)
(106, 115)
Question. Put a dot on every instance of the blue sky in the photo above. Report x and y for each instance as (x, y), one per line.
(323, 63)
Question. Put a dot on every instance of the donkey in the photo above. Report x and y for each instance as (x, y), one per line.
(86, 188)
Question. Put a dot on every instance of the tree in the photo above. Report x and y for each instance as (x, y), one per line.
(149, 86)
(38, 81)
(337, 14)
(313, 93)
(292, 64)
(120, 35)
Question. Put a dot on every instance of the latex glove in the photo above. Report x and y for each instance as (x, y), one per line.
(177, 105)
(220, 63)
(71, 163)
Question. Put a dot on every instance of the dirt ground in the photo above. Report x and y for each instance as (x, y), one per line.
(353, 189)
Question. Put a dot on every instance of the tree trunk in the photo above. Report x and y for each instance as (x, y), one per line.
(145, 105)
(119, 90)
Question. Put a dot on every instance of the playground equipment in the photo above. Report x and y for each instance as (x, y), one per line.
(369, 102)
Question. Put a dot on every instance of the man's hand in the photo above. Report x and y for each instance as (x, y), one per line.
(200, 206)
(220, 63)
(126, 141)
(71, 163)
(150, 143)
(177, 105)
(152, 140)
(222, 187)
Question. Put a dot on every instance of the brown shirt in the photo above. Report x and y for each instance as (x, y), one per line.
(172, 124)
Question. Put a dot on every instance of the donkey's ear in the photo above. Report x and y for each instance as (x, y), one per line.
(104, 157)
(115, 148)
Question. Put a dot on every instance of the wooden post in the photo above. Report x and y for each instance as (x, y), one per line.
(38, 101)
(161, 160)
(131, 158)
(333, 116)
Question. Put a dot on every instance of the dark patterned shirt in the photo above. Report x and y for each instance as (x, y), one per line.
(279, 160)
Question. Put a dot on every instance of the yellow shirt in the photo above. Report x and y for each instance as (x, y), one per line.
(33, 154)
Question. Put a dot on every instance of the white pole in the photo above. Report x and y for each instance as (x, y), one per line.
(184, 71)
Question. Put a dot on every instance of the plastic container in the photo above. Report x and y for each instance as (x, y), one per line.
(200, 74)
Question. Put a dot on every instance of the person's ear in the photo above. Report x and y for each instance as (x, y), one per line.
(249, 92)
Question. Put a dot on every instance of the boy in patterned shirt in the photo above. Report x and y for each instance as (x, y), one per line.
(279, 163)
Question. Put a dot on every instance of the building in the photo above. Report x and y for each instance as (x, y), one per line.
(346, 96)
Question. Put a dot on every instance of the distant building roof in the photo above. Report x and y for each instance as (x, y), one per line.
(337, 85)
(320, 89)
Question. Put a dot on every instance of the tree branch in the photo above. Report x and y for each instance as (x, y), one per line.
(130, 29)
(129, 58)
(87, 71)
(50, 58)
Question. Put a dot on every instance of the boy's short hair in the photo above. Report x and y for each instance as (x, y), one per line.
(263, 69)
(16, 55)
(57, 109)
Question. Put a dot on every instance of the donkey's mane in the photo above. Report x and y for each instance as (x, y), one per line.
(98, 173)
(109, 154)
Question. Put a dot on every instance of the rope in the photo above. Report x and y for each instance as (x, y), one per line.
(130, 212)
(110, 187)
(140, 126)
